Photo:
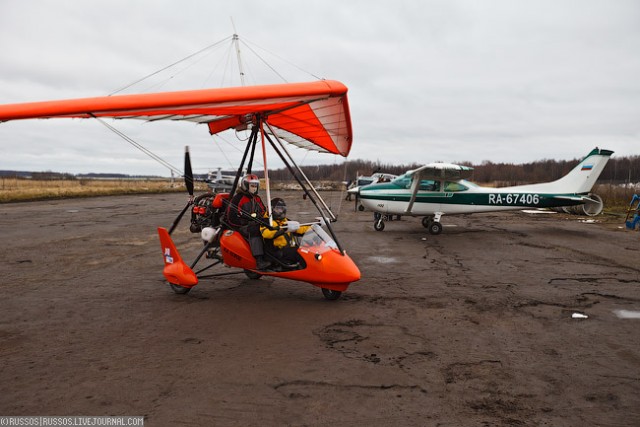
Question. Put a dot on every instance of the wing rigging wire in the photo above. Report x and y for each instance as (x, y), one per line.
(265, 62)
(226, 60)
(341, 192)
(235, 147)
(226, 65)
(140, 147)
(279, 57)
(182, 70)
(224, 154)
(169, 66)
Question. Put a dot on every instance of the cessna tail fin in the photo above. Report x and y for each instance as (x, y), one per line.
(580, 179)
(175, 270)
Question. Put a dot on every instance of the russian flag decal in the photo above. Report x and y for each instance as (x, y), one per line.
(587, 167)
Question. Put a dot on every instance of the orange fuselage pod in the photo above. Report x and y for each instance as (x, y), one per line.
(236, 251)
(324, 268)
(175, 270)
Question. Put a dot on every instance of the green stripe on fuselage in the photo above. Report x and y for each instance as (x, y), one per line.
(539, 200)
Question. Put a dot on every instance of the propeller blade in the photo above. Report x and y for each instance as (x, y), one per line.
(177, 220)
(188, 182)
(188, 172)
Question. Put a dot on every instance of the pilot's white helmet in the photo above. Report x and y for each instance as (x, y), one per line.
(248, 180)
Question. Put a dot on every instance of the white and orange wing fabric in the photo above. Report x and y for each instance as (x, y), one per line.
(311, 115)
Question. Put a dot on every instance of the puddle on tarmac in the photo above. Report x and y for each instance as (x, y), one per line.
(383, 259)
(627, 314)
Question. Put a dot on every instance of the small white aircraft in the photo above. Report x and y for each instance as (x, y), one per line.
(440, 188)
(362, 180)
(220, 183)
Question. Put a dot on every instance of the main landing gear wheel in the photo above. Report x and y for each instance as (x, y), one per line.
(179, 289)
(379, 224)
(330, 294)
(435, 228)
(252, 274)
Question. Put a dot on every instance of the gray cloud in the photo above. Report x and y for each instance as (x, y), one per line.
(510, 81)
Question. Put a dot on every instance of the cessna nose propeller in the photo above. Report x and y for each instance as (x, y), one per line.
(188, 182)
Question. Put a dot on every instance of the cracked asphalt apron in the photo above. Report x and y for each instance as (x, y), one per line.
(475, 326)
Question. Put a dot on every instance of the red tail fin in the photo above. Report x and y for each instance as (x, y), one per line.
(175, 270)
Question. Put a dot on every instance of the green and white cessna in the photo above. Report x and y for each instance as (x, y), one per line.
(440, 188)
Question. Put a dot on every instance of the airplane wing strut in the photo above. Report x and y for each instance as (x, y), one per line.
(415, 185)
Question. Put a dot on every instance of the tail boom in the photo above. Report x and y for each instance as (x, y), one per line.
(175, 270)
(580, 180)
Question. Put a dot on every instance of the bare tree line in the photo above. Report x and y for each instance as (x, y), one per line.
(618, 170)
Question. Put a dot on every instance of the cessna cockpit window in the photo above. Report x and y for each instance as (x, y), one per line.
(429, 185)
(452, 187)
(403, 181)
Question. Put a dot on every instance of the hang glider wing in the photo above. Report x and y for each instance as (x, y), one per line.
(443, 171)
(311, 115)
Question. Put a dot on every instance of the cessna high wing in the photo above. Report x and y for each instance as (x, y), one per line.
(437, 189)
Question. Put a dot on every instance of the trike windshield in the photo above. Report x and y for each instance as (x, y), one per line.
(317, 240)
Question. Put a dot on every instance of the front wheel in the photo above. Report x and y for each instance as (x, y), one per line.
(179, 289)
(330, 294)
(379, 225)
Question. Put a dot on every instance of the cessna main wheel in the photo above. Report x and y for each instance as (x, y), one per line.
(330, 294)
(435, 228)
(379, 225)
(179, 289)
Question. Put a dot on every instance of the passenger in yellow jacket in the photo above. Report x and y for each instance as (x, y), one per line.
(280, 242)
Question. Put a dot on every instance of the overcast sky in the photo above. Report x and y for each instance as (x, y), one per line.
(451, 80)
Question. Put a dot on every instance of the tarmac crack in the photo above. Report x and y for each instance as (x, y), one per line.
(596, 280)
(371, 343)
(284, 388)
(598, 294)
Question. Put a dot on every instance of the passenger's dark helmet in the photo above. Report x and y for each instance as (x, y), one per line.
(278, 208)
(248, 180)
